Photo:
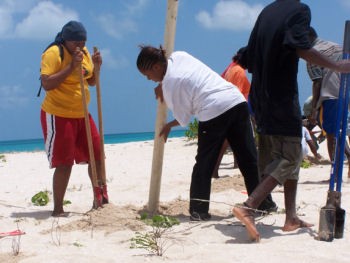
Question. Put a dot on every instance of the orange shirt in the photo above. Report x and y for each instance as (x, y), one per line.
(237, 76)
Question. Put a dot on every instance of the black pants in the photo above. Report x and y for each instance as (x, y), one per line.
(233, 125)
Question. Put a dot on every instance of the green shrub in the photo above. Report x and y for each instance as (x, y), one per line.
(41, 198)
(155, 240)
(192, 132)
(2, 158)
(305, 164)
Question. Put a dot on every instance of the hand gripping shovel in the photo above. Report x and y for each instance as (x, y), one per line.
(97, 191)
(100, 126)
(332, 216)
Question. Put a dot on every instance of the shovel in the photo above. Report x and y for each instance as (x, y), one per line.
(332, 216)
(103, 185)
(97, 191)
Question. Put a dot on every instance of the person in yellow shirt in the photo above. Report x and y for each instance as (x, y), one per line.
(62, 113)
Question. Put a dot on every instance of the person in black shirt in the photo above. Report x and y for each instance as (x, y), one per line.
(278, 39)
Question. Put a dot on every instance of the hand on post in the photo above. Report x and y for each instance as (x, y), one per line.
(97, 58)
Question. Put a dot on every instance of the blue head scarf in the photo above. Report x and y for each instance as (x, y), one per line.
(72, 31)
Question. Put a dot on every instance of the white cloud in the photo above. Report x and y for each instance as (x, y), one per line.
(110, 62)
(235, 15)
(6, 22)
(38, 20)
(18, 6)
(12, 97)
(44, 21)
(136, 6)
(122, 24)
(114, 28)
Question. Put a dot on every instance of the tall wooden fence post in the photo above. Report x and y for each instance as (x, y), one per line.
(158, 150)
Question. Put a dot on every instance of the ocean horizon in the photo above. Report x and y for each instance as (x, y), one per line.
(31, 145)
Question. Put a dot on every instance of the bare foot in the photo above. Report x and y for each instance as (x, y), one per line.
(59, 213)
(295, 224)
(246, 216)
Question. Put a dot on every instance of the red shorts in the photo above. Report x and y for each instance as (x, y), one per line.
(66, 140)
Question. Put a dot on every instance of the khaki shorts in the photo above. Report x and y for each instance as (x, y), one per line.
(279, 157)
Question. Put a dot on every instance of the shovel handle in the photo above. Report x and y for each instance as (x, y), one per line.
(87, 127)
(346, 45)
(100, 121)
(341, 118)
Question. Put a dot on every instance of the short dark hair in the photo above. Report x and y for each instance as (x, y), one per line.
(149, 56)
(312, 33)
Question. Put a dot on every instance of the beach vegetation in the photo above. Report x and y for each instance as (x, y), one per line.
(305, 164)
(155, 240)
(192, 132)
(66, 202)
(2, 158)
(41, 198)
(77, 244)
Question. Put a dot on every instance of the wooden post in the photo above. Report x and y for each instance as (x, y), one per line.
(100, 121)
(158, 149)
(92, 162)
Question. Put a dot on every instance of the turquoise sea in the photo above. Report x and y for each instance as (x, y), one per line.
(38, 144)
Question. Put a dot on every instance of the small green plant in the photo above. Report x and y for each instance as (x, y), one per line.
(2, 158)
(77, 244)
(66, 202)
(41, 198)
(305, 164)
(192, 132)
(155, 240)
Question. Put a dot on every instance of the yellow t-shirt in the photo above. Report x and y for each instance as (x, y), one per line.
(65, 100)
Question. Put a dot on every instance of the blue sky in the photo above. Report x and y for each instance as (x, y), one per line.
(211, 30)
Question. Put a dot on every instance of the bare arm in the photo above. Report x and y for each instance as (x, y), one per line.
(53, 81)
(314, 57)
(158, 91)
(316, 91)
(313, 149)
(97, 60)
(167, 128)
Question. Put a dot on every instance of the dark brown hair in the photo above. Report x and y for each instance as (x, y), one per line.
(149, 56)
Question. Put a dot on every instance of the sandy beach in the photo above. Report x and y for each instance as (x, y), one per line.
(104, 235)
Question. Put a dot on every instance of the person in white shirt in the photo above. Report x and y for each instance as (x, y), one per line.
(307, 142)
(190, 88)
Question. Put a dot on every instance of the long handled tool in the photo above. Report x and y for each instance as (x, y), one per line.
(332, 216)
(97, 191)
(103, 185)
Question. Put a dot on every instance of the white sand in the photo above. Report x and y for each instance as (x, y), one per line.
(104, 235)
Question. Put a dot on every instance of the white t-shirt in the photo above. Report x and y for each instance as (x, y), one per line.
(305, 138)
(192, 88)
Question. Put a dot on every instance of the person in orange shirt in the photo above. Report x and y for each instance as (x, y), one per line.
(235, 74)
